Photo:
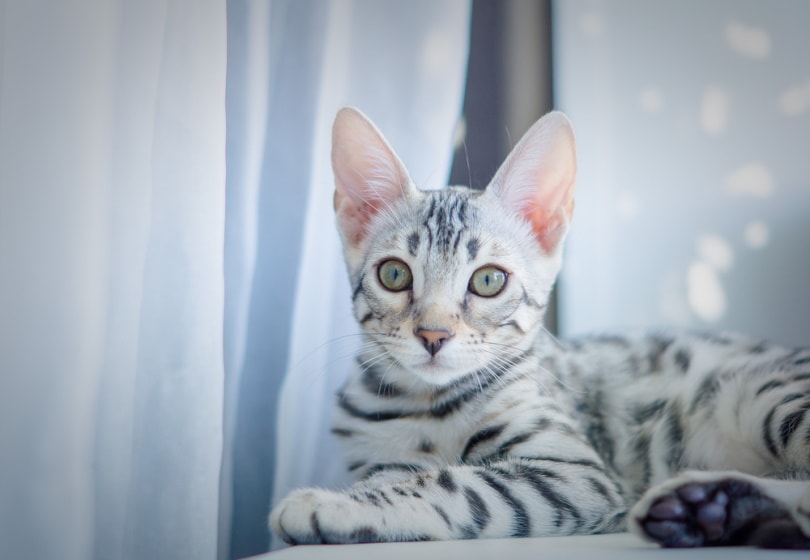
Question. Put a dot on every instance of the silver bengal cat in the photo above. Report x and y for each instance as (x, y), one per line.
(465, 419)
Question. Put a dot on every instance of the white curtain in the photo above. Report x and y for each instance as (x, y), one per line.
(289, 328)
(112, 189)
(149, 300)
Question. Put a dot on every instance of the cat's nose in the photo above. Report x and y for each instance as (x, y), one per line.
(433, 339)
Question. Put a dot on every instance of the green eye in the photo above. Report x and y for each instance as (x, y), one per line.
(487, 281)
(395, 275)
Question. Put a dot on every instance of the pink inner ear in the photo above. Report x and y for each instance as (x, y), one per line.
(549, 229)
(368, 174)
(353, 217)
(538, 177)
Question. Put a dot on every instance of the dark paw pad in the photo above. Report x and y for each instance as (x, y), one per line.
(692, 515)
(717, 513)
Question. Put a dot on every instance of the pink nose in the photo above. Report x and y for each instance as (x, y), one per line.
(433, 339)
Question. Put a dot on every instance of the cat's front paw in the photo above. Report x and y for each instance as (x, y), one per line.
(314, 516)
(712, 509)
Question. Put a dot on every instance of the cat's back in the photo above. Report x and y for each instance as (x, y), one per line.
(655, 403)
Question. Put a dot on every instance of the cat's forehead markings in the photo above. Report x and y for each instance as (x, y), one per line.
(472, 248)
(445, 219)
(413, 243)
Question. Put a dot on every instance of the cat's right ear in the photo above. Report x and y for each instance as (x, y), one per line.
(369, 176)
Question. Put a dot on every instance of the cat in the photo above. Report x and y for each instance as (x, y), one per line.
(465, 418)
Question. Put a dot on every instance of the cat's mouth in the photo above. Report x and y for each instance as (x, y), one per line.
(437, 370)
(434, 363)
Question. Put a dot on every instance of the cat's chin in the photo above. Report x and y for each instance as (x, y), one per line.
(436, 373)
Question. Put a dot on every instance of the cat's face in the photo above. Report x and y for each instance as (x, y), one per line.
(453, 281)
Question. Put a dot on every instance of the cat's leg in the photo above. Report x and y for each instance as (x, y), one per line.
(505, 498)
(753, 417)
(724, 508)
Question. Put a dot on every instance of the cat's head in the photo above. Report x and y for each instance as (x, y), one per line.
(452, 281)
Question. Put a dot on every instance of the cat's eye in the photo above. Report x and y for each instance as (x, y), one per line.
(488, 281)
(395, 275)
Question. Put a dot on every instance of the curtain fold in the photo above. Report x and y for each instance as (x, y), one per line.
(275, 56)
(295, 63)
(112, 173)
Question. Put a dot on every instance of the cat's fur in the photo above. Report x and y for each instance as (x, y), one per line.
(464, 418)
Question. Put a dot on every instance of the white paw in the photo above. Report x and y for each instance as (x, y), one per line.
(314, 516)
(363, 514)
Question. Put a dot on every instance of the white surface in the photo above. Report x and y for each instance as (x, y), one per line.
(606, 547)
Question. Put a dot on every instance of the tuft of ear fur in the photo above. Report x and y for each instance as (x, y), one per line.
(369, 176)
(536, 181)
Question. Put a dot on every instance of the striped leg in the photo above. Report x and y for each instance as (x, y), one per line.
(507, 498)
(771, 411)
(751, 415)
(785, 422)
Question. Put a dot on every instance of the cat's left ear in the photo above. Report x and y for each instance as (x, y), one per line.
(537, 179)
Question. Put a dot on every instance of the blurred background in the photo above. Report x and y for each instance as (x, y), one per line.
(174, 312)
(694, 150)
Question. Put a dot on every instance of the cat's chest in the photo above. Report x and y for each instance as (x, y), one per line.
(404, 433)
(423, 432)
(423, 440)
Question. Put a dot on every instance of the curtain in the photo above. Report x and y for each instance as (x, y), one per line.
(290, 335)
(153, 298)
(112, 191)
